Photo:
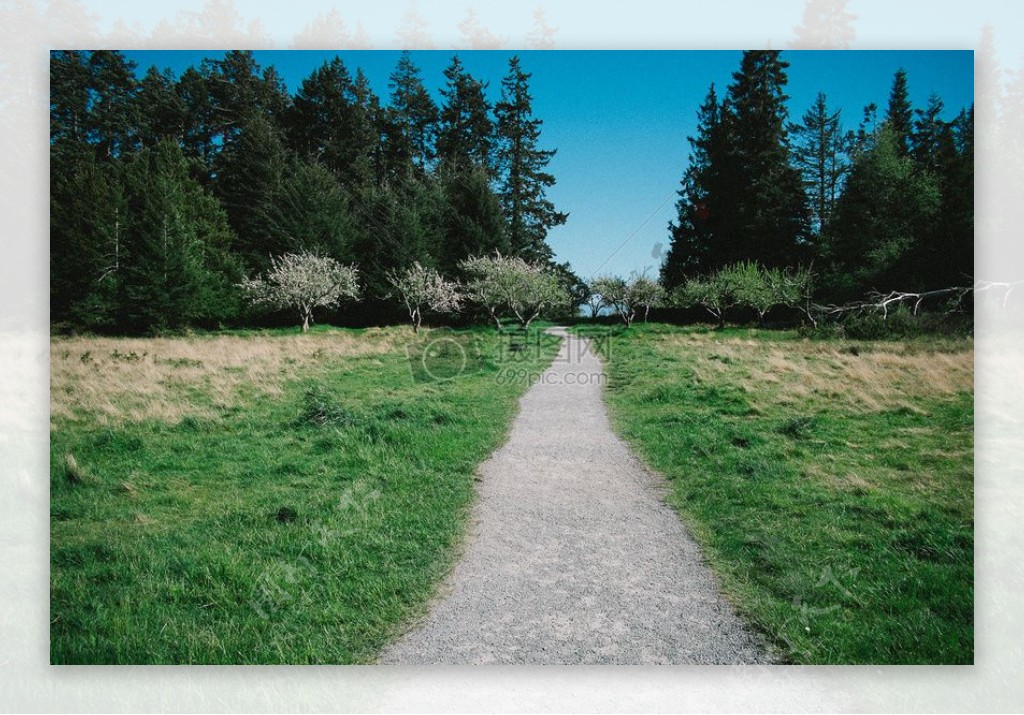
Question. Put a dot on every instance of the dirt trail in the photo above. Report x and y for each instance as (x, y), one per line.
(572, 556)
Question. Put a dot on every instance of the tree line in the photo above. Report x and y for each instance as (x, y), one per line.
(190, 200)
(170, 194)
(887, 206)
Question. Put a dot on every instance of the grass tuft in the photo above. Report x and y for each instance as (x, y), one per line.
(286, 515)
(320, 410)
(797, 427)
(73, 472)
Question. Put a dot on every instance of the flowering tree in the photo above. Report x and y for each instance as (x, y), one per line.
(506, 283)
(422, 289)
(626, 297)
(303, 281)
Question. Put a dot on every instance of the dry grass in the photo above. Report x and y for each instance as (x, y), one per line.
(887, 376)
(113, 380)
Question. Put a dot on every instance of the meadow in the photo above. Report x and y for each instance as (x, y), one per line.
(264, 496)
(829, 482)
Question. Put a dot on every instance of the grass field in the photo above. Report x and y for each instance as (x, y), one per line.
(829, 482)
(263, 497)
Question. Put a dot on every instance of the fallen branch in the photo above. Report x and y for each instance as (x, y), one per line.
(883, 301)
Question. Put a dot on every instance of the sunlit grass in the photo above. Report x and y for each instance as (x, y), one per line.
(269, 498)
(829, 482)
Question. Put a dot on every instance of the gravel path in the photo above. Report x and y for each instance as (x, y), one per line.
(572, 555)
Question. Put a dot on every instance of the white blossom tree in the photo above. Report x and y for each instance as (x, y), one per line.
(303, 281)
(510, 284)
(423, 289)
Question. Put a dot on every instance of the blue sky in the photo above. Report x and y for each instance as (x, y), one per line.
(620, 119)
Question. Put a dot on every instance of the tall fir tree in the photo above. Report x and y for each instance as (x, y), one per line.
(92, 100)
(250, 172)
(198, 132)
(113, 116)
(945, 151)
(413, 117)
(474, 223)
(175, 269)
(328, 124)
(162, 111)
(768, 220)
(238, 89)
(887, 207)
(521, 164)
(310, 212)
(930, 134)
(700, 199)
(465, 131)
(741, 197)
(69, 96)
(367, 134)
(819, 152)
(899, 114)
(87, 216)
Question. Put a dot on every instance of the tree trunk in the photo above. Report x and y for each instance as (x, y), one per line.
(416, 319)
(305, 321)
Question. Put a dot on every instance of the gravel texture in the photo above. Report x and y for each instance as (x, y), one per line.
(572, 556)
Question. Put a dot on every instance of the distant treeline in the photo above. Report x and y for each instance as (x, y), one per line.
(167, 191)
(887, 206)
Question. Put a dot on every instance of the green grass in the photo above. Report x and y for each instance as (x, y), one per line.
(829, 483)
(283, 504)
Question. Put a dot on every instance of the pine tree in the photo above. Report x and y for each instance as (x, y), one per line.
(398, 227)
(768, 219)
(474, 224)
(819, 151)
(329, 123)
(465, 132)
(521, 169)
(886, 209)
(367, 137)
(238, 90)
(69, 95)
(958, 204)
(198, 143)
(175, 267)
(700, 201)
(87, 213)
(113, 117)
(899, 114)
(92, 100)
(413, 116)
(162, 111)
(250, 173)
(945, 151)
(310, 213)
(860, 141)
(930, 134)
